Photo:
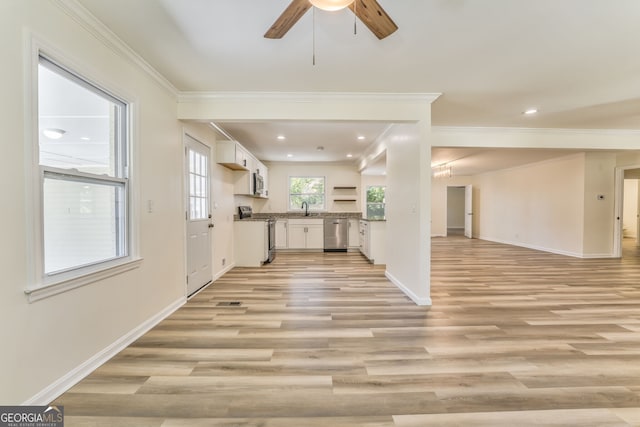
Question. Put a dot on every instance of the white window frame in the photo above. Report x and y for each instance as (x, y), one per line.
(299, 209)
(41, 285)
(367, 203)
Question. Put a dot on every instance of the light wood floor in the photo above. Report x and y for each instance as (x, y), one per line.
(514, 337)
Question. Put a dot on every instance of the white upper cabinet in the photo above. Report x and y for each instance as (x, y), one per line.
(232, 155)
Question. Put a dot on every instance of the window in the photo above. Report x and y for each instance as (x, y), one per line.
(308, 189)
(375, 202)
(82, 155)
(198, 186)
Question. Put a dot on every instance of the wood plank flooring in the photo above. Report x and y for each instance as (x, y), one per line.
(514, 336)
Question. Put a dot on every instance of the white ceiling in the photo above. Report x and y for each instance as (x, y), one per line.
(575, 60)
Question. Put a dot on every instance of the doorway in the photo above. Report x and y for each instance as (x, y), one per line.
(627, 205)
(460, 211)
(455, 211)
(198, 215)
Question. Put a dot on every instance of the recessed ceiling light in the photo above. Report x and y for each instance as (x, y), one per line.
(85, 138)
(349, 155)
(361, 137)
(281, 137)
(530, 111)
(53, 133)
(289, 155)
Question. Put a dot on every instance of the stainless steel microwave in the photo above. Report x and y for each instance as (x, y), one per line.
(258, 184)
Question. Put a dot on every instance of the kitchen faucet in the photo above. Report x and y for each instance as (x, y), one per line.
(305, 205)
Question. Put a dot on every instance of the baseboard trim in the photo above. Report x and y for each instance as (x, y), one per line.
(544, 249)
(216, 277)
(224, 271)
(418, 300)
(64, 383)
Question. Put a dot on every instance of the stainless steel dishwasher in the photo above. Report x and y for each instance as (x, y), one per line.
(336, 234)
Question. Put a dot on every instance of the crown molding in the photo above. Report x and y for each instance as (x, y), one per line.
(308, 97)
(107, 37)
(534, 131)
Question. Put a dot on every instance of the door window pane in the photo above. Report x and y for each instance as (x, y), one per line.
(198, 186)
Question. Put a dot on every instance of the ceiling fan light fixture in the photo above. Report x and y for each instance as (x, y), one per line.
(53, 133)
(331, 5)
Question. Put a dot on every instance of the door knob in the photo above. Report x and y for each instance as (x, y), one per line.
(211, 225)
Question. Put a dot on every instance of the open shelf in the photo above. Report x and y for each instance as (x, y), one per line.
(344, 200)
(344, 188)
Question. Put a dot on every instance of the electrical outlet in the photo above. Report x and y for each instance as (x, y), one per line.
(224, 261)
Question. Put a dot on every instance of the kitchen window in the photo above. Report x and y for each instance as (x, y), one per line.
(309, 189)
(82, 158)
(375, 202)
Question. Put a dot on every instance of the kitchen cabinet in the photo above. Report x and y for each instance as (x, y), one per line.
(364, 238)
(306, 233)
(354, 234)
(243, 180)
(373, 238)
(251, 243)
(282, 239)
(232, 155)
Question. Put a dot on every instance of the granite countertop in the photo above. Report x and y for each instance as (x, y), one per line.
(299, 215)
(373, 220)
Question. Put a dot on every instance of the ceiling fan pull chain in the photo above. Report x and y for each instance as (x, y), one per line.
(355, 17)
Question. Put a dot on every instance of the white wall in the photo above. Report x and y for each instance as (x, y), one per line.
(629, 215)
(46, 340)
(599, 180)
(539, 205)
(336, 175)
(408, 207)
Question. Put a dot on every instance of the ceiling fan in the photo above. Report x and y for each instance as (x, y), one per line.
(369, 12)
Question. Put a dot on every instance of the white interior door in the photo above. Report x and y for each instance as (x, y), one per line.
(199, 224)
(468, 211)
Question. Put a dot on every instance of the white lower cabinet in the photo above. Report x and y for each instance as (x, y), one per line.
(373, 237)
(306, 233)
(354, 234)
(251, 243)
(282, 239)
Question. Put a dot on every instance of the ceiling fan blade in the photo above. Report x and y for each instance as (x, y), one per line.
(287, 19)
(374, 17)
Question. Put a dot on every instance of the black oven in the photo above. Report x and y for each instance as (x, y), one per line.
(272, 239)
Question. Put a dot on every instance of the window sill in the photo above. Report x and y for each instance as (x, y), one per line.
(46, 291)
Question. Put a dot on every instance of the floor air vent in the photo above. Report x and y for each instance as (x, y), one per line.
(229, 304)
